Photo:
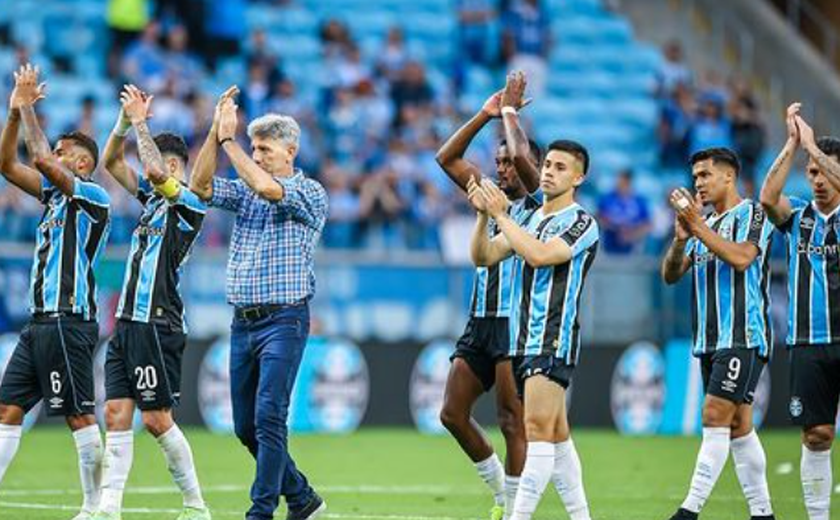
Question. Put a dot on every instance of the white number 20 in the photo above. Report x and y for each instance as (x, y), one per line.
(146, 377)
(734, 369)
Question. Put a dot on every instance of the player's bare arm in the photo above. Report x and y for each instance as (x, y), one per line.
(737, 254)
(26, 178)
(113, 157)
(513, 98)
(31, 91)
(136, 105)
(484, 251)
(533, 250)
(251, 174)
(450, 157)
(201, 180)
(676, 263)
(827, 164)
(775, 203)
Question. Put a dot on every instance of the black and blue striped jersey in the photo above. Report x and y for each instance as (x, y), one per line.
(545, 319)
(493, 285)
(70, 237)
(731, 309)
(813, 275)
(160, 246)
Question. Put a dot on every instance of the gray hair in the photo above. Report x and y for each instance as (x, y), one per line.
(275, 126)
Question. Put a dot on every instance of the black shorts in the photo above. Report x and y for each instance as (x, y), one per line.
(485, 343)
(53, 361)
(554, 368)
(732, 374)
(814, 384)
(144, 364)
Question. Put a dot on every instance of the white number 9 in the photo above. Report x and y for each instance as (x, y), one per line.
(734, 369)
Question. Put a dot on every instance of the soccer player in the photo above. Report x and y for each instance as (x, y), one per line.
(554, 253)
(814, 301)
(280, 214)
(53, 359)
(728, 256)
(143, 365)
(481, 355)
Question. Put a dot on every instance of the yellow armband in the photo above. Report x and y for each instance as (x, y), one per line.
(169, 189)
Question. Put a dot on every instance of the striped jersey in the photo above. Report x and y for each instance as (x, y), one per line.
(731, 309)
(545, 320)
(70, 237)
(493, 285)
(160, 245)
(813, 275)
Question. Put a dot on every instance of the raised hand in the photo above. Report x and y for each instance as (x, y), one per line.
(135, 104)
(496, 202)
(230, 93)
(790, 121)
(688, 212)
(28, 90)
(492, 107)
(514, 93)
(475, 195)
(806, 133)
(228, 121)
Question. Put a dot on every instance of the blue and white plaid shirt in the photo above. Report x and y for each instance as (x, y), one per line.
(272, 247)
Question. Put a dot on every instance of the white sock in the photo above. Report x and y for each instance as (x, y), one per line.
(511, 485)
(710, 462)
(119, 454)
(751, 467)
(568, 480)
(89, 447)
(538, 465)
(492, 473)
(815, 470)
(9, 443)
(179, 460)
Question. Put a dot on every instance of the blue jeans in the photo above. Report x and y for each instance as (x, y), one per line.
(265, 356)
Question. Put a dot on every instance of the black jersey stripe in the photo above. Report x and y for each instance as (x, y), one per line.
(739, 296)
(832, 263)
(67, 281)
(712, 316)
(575, 344)
(807, 224)
(42, 256)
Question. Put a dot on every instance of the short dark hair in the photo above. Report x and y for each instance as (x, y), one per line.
(829, 146)
(718, 155)
(574, 148)
(536, 151)
(171, 144)
(85, 141)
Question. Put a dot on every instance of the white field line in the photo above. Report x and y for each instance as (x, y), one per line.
(238, 488)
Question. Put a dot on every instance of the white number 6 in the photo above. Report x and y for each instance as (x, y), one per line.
(55, 382)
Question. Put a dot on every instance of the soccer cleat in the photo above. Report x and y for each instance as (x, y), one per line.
(310, 511)
(764, 517)
(84, 515)
(497, 513)
(192, 513)
(106, 516)
(684, 514)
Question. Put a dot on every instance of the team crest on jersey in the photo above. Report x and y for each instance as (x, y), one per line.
(796, 408)
(807, 223)
(725, 230)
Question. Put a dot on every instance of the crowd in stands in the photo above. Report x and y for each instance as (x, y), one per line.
(372, 127)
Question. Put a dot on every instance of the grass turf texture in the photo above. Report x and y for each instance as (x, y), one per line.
(402, 475)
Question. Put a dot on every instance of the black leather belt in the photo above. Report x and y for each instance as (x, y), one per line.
(258, 312)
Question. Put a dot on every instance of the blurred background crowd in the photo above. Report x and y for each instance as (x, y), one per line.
(377, 92)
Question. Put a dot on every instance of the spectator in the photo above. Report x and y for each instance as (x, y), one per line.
(624, 218)
(144, 63)
(474, 24)
(173, 113)
(259, 52)
(381, 211)
(350, 69)
(87, 119)
(411, 90)
(225, 29)
(749, 137)
(335, 38)
(343, 221)
(393, 58)
(674, 71)
(710, 128)
(674, 125)
(126, 21)
(181, 65)
(526, 41)
(255, 95)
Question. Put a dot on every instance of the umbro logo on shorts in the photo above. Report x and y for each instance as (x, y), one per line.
(148, 395)
(56, 402)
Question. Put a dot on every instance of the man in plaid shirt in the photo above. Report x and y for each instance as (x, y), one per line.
(280, 214)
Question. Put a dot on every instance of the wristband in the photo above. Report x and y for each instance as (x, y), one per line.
(509, 110)
(169, 189)
(226, 139)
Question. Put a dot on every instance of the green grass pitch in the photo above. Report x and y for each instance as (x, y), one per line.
(402, 475)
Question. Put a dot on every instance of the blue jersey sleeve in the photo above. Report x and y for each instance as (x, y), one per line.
(91, 193)
(189, 200)
(580, 234)
(48, 189)
(754, 227)
(145, 190)
(797, 206)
